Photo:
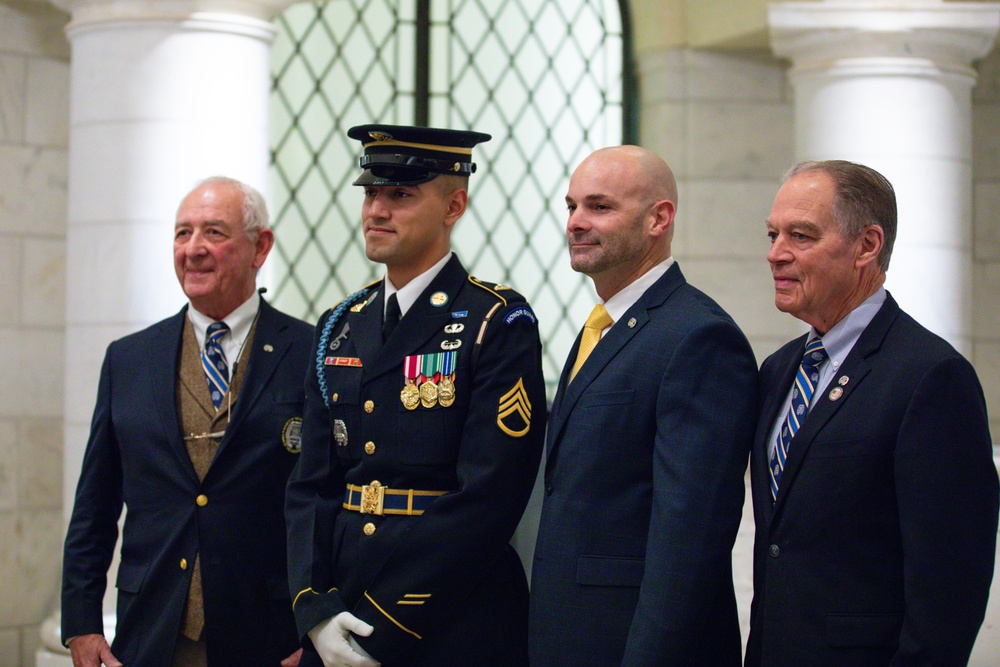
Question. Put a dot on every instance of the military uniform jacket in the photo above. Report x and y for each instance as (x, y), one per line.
(445, 585)
(136, 455)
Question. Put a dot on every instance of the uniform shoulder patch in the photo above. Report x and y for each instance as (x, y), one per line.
(519, 313)
(514, 411)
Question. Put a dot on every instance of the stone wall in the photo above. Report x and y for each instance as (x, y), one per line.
(34, 114)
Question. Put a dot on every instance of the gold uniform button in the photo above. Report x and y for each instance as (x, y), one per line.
(335, 397)
(369, 407)
(202, 500)
(184, 563)
(369, 448)
(369, 529)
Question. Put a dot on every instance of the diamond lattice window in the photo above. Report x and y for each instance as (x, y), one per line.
(548, 79)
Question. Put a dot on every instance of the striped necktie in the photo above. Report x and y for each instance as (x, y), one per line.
(213, 360)
(595, 324)
(802, 394)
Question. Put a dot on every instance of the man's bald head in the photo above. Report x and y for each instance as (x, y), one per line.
(650, 175)
(621, 203)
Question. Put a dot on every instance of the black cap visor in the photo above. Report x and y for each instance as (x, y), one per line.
(397, 169)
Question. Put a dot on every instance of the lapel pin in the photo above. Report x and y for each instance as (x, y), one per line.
(836, 393)
(269, 348)
(438, 299)
(631, 323)
(843, 380)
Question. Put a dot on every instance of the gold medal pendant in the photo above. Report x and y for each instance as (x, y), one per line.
(428, 394)
(410, 396)
(446, 392)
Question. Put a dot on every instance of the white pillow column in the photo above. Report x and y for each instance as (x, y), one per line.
(889, 84)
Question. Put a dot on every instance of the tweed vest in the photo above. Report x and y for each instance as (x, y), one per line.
(198, 417)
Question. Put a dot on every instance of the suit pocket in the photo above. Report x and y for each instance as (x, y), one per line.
(605, 571)
(594, 399)
(130, 577)
(855, 630)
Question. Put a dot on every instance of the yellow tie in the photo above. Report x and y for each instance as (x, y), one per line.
(597, 322)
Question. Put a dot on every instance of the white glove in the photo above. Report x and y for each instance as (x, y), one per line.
(335, 645)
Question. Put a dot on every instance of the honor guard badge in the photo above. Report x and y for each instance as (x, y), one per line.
(291, 435)
(514, 411)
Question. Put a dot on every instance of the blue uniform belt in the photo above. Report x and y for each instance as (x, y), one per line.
(376, 499)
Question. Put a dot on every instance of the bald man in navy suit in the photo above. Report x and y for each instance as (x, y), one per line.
(647, 444)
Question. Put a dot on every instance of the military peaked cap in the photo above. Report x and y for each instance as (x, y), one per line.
(408, 155)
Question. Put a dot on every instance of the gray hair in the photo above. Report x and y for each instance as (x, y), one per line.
(863, 197)
(255, 215)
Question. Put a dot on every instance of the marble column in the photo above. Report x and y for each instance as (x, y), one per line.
(888, 84)
(163, 93)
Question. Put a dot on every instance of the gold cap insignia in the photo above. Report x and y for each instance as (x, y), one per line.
(380, 136)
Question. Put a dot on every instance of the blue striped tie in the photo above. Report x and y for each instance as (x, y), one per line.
(802, 394)
(213, 360)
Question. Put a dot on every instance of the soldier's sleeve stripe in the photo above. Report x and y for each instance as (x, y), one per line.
(516, 393)
(398, 624)
(516, 402)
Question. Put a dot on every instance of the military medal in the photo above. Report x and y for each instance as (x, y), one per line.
(431, 366)
(410, 395)
(446, 385)
(428, 394)
(446, 392)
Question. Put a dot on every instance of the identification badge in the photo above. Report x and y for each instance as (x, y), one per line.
(340, 432)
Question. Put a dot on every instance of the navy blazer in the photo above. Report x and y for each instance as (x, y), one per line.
(879, 547)
(644, 489)
(136, 455)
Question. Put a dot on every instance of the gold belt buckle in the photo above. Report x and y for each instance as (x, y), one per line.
(372, 498)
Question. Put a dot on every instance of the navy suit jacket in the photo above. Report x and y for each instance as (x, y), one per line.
(644, 489)
(136, 455)
(879, 547)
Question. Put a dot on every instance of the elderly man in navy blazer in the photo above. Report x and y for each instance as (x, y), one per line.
(647, 441)
(874, 489)
(196, 430)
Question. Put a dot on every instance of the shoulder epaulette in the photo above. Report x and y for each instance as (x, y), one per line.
(493, 289)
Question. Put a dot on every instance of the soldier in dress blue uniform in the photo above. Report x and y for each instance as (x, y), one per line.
(423, 430)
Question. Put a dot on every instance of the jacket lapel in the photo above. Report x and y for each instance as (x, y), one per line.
(613, 342)
(421, 322)
(773, 401)
(269, 348)
(161, 372)
(855, 368)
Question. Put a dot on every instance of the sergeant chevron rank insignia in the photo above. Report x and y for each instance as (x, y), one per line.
(514, 411)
